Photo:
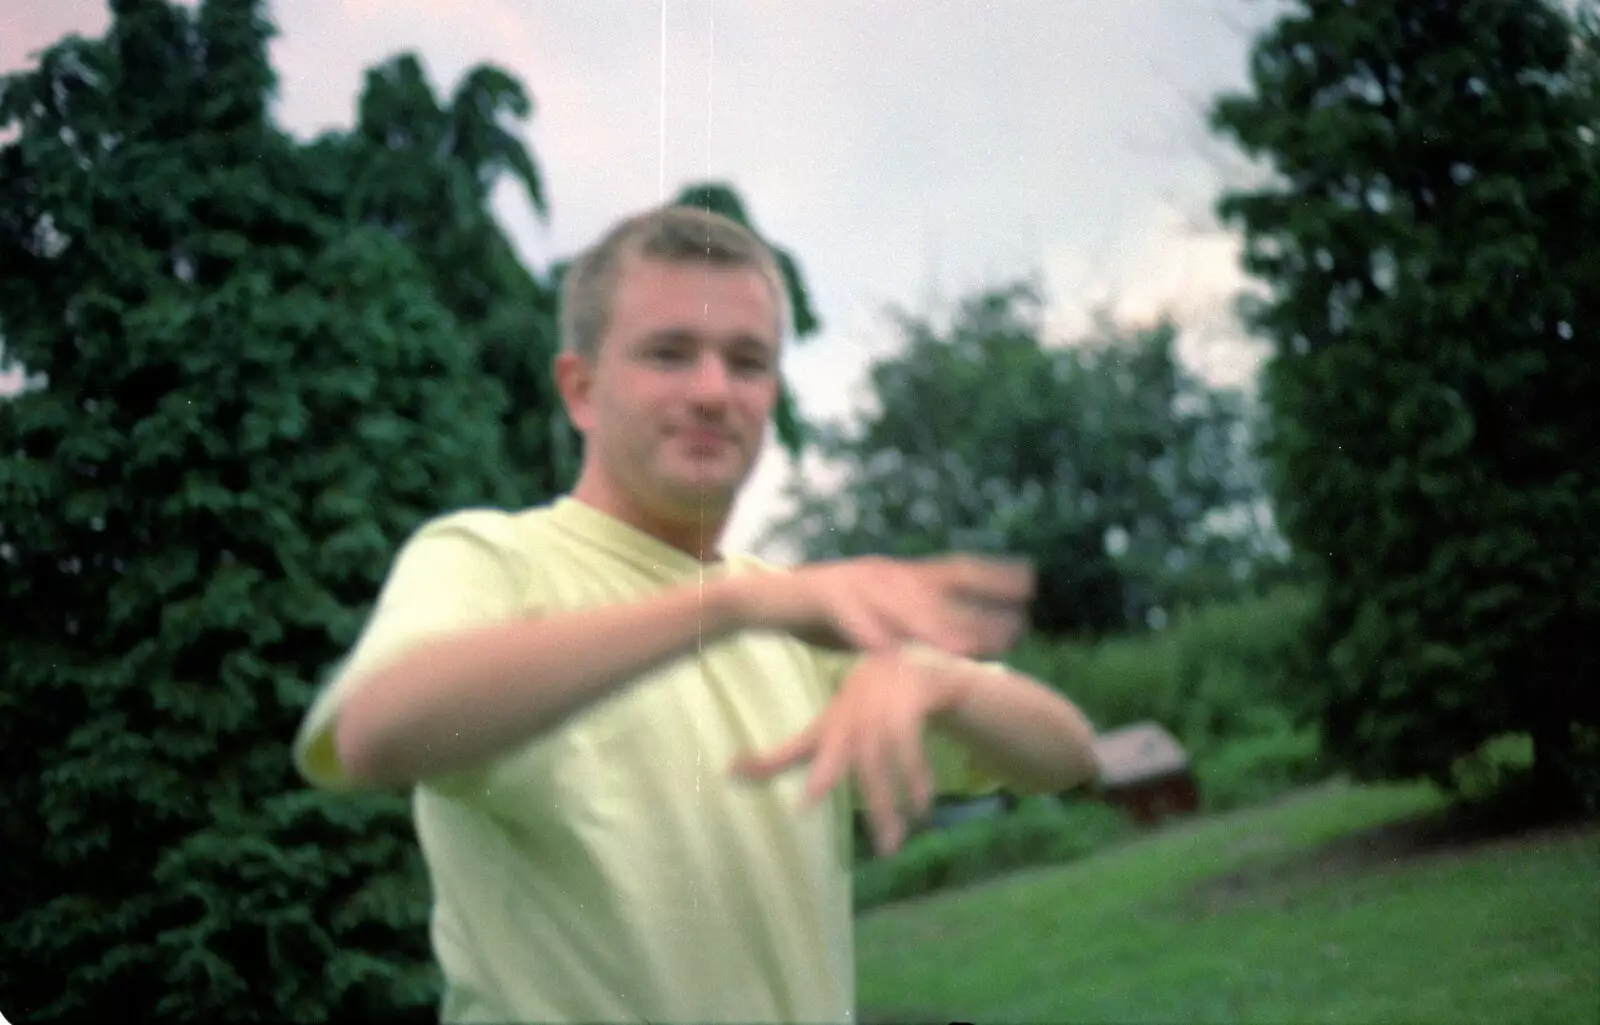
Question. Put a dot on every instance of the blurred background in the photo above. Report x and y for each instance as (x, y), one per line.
(1262, 327)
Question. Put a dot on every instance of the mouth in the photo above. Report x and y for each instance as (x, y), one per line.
(707, 440)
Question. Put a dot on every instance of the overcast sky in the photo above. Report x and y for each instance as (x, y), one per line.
(905, 151)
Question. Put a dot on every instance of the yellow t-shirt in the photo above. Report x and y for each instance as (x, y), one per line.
(613, 870)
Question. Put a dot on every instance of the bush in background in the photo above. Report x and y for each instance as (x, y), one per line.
(1231, 681)
(1041, 831)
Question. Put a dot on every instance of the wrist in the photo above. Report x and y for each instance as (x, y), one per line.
(743, 601)
(948, 680)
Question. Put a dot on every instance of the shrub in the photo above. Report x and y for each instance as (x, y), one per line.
(1230, 680)
(1495, 764)
(1253, 769)
(1041, 831)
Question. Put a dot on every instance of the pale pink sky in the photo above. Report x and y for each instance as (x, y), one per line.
(906, 151)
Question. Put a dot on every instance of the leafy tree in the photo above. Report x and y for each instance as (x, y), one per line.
(425, 171)
(246, 405)
(1103, 461)
(1432, 247)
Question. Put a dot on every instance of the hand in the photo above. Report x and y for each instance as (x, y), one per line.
(873, 729)
(960, 604)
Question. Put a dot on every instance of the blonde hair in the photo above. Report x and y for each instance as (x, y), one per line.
(672, 234)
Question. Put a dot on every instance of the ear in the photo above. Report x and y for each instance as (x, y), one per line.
(575, 379)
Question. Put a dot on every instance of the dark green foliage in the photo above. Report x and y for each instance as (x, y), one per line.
(1258, 767)
(1041, 831)
(247, 405)
(1230, 680)
(984, 438)
(1432, 247)
(424, 171)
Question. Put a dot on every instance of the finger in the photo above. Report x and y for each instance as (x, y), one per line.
(832, 758)
(921, 611)
(779, 759)
(874, 633)
(986, 631)
(929, 606)
(966, 635)
(914, 770)
(877, 788)
(990, 580)
(866, 626)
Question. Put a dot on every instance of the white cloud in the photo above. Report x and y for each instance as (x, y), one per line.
(1180, 265)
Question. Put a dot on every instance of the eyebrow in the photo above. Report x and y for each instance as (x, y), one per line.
(683, 335)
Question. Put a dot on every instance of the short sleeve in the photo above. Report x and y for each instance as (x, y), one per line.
(458, 572)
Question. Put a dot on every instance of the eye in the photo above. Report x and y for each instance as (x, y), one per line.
(750, 363)
(668, 353)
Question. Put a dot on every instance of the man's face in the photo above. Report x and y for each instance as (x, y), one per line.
(674, 408)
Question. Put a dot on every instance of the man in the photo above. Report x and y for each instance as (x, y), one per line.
(597, 712)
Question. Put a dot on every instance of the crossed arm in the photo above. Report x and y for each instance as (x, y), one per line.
(1023, 733)
(464, 697)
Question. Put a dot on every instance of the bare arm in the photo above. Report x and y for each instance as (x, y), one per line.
(1018, 729)
(460, 699)
(1033, 738)
(464, 698)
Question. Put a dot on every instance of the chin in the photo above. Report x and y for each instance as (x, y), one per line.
(704, 494)
(711, 479)
(712, 497)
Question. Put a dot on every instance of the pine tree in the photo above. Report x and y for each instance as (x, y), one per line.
(1432, 247)
(247, 404)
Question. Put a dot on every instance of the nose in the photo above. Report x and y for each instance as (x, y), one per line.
(710, 381)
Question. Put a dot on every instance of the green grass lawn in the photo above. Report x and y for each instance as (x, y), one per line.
(1339, 904)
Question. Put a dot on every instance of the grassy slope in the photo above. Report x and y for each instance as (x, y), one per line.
(1317, 908)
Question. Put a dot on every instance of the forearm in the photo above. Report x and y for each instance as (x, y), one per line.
(1033, 738)
(456, 701)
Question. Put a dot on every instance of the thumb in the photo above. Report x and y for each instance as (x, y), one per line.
(758, 765)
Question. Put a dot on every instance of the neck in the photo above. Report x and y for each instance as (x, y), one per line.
(699, 535)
